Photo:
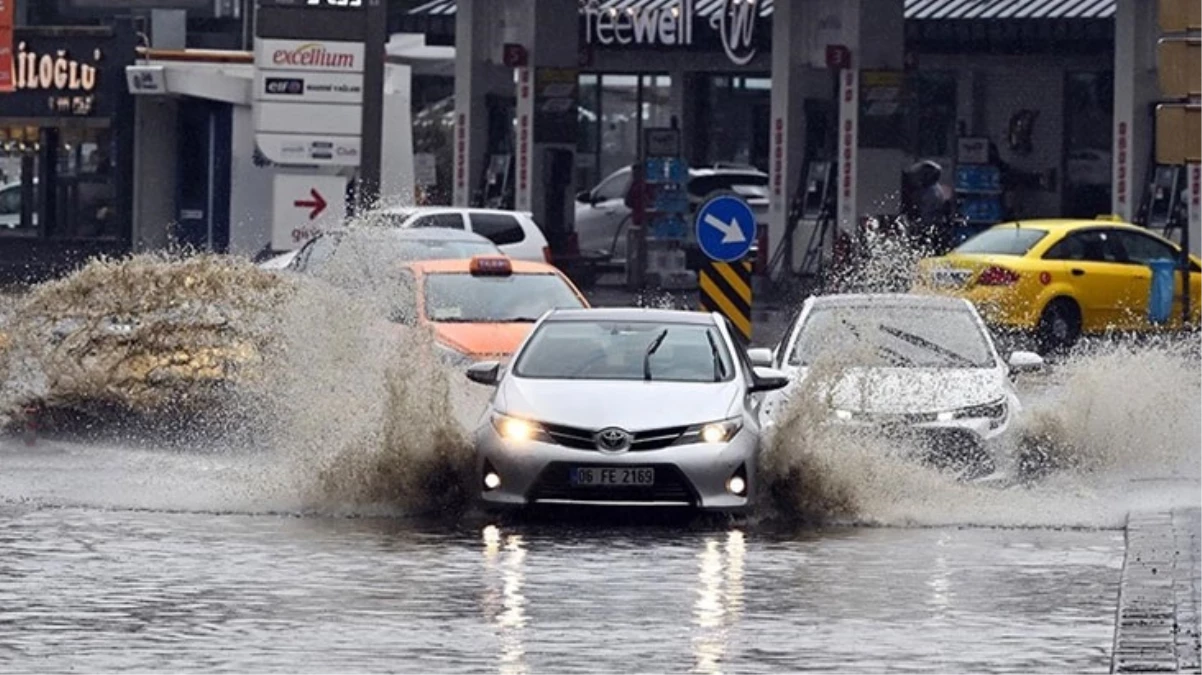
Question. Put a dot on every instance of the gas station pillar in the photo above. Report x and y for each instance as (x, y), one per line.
(478, 72)
(786, 140)
(1135, 90)
(545, 133)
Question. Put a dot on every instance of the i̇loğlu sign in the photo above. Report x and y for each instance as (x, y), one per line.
(732, 22)
(67, 73)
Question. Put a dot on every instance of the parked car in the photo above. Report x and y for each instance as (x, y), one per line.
(602, 214)
(515, 232)
(919, 367)
(10, 206)
(382, 245)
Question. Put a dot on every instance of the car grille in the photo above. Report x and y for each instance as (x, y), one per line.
(894, 418)
(670, 486)
(582, 439)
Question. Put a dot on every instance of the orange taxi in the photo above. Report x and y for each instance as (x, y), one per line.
(483, 307)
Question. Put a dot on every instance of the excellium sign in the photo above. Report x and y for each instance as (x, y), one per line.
(343, 57)
(671, 25)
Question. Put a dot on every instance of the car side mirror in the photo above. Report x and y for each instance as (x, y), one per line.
(769, 379)
(584, 197)
(1025, 362)
(487, 373)
(760, 357)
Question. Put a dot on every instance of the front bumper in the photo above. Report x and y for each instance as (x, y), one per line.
(694, 475)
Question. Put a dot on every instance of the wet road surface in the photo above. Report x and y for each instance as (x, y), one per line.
(113, 589)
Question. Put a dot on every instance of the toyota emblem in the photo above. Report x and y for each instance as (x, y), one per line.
(613, 439)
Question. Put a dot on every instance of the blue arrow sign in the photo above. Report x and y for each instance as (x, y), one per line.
(726, 228)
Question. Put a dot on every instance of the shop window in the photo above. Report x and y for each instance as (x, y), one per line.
(499, 228)
(735, 115)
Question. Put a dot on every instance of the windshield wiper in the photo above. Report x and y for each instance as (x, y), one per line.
(925, 344)
(719, 371)
(659, 339)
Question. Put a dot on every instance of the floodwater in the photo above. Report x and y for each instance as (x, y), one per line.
(102, 589)
(332, 535)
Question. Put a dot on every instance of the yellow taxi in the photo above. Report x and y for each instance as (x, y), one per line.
(483, 307)
(1061, 278)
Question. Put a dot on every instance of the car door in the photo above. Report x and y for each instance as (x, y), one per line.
(601, 214)
(1141, 249)
(1091, 262)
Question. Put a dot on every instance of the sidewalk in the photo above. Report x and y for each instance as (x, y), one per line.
(1157, 623)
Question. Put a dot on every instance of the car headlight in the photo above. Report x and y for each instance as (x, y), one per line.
(993, 410)
(842, 414)
(517, 429)
(713, 432)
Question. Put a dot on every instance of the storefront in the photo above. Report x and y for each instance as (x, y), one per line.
(969, 73)
(66, 143)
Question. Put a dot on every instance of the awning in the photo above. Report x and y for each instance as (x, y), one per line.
(920, 10)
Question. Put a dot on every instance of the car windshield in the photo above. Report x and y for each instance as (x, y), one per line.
(1003, 241)
(614, 350)
(466, 298)
(898, 336)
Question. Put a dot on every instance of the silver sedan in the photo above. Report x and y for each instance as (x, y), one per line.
(623, 407)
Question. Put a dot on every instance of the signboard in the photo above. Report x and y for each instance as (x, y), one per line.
(59, 73)
(146, 79)
(848, 132)
(1179, 66)
(729, 24)
(1178, 16)
(726, 228)
(661, 142)
(8, 10)
(309, 81)
(881, 114)
(1178, 140)
(555, 105)
(525, 142)
(304, 205)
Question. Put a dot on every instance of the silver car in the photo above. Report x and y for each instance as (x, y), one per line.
(623, 407)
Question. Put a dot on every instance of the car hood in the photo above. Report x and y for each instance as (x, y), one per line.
(631, 405)
(480, 340)
(911, 390)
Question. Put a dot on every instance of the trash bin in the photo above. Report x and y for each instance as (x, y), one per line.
(1160, 297)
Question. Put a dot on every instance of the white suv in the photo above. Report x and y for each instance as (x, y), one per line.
(514, 232)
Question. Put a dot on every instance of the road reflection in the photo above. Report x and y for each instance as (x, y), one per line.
(719, 599)
(506, 608)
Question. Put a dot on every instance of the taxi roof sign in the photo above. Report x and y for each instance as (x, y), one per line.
(490, 266)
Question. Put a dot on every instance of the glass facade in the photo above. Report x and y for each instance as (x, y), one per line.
(614, 109)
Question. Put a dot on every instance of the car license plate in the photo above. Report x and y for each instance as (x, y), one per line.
(949, 277)
(616, 476)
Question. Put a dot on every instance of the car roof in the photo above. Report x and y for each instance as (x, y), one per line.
(1066, 224)
(412, 234)
(463, 266)
(888, 300)
(420, 210)
(633, 314)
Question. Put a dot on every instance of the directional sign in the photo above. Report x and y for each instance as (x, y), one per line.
(726, 228)
(304, 205)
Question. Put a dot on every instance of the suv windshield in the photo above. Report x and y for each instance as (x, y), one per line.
(464, 298)
(905, 337)
(611, 350)
(1003, 241)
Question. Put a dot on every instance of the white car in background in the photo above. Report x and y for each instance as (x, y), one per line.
(602, 216)
(918, 368)
(10, 206)
(514, 232)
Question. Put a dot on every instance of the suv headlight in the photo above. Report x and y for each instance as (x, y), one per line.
(518, 430)
(712, 432)
(993, 410)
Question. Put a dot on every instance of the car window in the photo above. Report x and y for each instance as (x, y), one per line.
(1003, 241)
(1089, 246)
(500, 228)
(10, 200)
(452, 221)
(467, 298)
(612, 350)
(315, 253)
(1143, 249)
(747, 185)
(614, 187)
(911, 336)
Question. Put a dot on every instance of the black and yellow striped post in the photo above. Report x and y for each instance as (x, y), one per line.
(726, 289)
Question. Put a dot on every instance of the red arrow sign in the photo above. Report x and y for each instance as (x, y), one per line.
(318, 204)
